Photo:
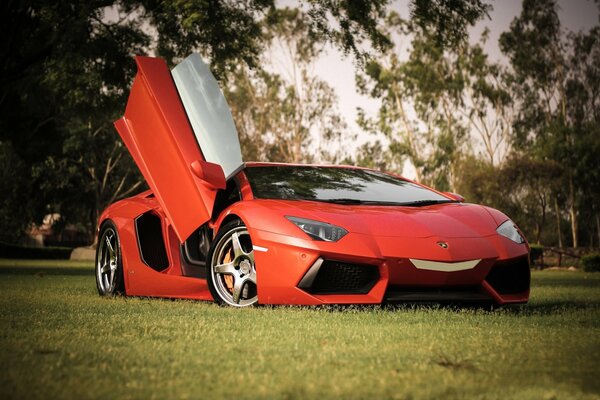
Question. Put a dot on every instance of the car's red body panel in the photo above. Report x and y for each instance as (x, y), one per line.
(418, 252)
(290, 253)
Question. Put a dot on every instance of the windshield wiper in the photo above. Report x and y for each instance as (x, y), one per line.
(348, 201)
(358, 201)
(345, 201)
(422, 203)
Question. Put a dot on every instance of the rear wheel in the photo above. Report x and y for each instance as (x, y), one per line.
(232, 273)
(109, 266)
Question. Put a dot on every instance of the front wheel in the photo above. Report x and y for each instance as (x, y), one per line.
(109, 266)
(232, 273)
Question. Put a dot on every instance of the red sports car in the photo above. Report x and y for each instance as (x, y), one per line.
(212, 227)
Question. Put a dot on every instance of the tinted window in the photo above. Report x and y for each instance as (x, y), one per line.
(340, 185)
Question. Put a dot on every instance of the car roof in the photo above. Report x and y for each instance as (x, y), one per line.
(251, 164)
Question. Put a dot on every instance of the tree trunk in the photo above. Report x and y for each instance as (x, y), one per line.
(598, 226)
(411, 138)
(573, 224)
(558, 232)
(538, 232)
(542, 221)
(572, 212)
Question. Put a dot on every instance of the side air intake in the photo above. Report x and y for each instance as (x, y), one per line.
(151, 242)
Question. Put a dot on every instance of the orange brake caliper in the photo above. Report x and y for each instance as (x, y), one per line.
(228, 278)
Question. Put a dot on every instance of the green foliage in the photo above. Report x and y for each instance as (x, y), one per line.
(357, 23)
(63, 86)
(519, 188)
(591, 262)
(230, 33)
(16, 194)
(373, 155)
(449, 19)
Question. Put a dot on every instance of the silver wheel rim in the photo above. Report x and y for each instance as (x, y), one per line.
(106, 262)
(233, 269)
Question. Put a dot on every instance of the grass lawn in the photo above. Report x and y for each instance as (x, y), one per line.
(59, 339)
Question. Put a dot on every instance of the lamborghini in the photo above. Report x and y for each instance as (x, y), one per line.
(213, 227)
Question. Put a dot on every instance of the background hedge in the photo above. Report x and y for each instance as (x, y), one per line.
(34, 253)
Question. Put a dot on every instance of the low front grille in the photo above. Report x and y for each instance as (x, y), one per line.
(337, 277)
(397, 294)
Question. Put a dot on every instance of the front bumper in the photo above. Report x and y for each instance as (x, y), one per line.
(372, 270)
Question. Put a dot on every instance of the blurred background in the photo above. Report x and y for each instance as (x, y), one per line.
(497, 101)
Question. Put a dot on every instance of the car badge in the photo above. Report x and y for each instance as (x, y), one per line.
(443, 245)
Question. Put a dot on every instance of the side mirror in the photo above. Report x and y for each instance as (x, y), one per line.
(455, 196)
(211, 174)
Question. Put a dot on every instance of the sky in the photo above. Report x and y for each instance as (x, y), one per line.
(339, 71)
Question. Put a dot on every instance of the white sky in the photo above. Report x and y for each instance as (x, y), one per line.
(339, 71)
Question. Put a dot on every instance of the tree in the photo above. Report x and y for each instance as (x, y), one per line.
(519, 187)
(488, 107)
(62, 85)
(230, 33)
(556, 84)
(280, 116)
(423, 110)
(583, 108)
(15, 194)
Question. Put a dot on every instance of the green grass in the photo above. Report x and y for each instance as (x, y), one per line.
(59, 339)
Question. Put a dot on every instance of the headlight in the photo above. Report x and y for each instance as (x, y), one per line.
(509, 230)
(319, 230)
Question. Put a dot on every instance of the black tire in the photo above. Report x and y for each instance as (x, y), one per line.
(109, 263)
(231, 274)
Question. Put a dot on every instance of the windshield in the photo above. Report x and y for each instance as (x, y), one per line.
(337, 185)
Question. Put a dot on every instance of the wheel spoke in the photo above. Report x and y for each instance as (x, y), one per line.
(237, 246)
(105, 268)
(111, 250)
(227, 268)
(252, 276)
(111, 280)
(238, 287)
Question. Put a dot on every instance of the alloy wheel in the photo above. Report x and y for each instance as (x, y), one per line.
(233, 270)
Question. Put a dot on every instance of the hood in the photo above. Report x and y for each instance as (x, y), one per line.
(450, 220)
